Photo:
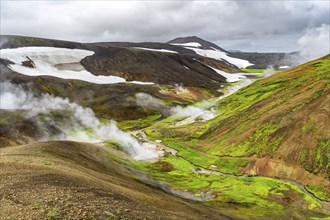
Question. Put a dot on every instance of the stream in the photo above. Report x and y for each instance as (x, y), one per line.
(141, 135)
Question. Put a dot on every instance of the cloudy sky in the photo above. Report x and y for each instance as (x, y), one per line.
(246, 25)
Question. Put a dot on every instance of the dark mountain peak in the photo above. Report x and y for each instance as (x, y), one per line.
(190, 39)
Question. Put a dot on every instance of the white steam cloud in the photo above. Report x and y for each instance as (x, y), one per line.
(315, 42)
(82, 120)
(3, 40)
(192, 112)
(146, 100)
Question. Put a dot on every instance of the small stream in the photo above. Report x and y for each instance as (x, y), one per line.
(141, 135)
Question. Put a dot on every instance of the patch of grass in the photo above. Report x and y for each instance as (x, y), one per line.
(139, 123)
(109, 214)
(9, 117)
(39, 203)
(47, 163)
(230, 166)
(247, 70)
(258, 143)
(52, 214)
(319, 191)
(321, 160)
(6, 201)
(308, 127)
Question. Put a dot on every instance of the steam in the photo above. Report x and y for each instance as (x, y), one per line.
(3, 41)
(146, 100)
(194, 113)
(83, 124)
(315, 42)
(268, 72)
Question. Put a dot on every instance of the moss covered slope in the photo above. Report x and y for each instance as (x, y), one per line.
(285, 116)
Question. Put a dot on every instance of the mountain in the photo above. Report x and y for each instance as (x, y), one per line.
(103, 65)
(157, 130)
(259, 60)
(203, 43)
(138, 63)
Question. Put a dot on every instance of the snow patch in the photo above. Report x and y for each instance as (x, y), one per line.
(190, 44)
(233, 77)
(219, 55)
(157, 50)
(284, 67)
(57, 62)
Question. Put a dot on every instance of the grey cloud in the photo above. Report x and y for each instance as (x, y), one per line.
(228, 23)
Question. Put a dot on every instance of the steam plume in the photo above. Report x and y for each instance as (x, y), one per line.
(82, 119)
(315, 43)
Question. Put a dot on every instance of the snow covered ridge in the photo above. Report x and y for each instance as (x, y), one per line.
(215, 54)
(219, 55)
(190, 44)
(156, 50)
(233, 77)
(57, 62)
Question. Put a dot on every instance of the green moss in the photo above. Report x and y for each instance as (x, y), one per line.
(231, 166)
(10, 117)
(139, 123)
(259, 143)
(317, 218)
(52, 214)
(319, 191)
(321, 160)
(308, 127)
(224, 165)
(303, 156)
(248, 70)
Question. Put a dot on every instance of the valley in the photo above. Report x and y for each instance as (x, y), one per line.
(176, 130)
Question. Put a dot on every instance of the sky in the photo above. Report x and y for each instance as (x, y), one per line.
(263, 26)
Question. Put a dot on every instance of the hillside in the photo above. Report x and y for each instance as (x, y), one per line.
(160, 131)
(276, 127)
(138, 63)
(204, 44)
(284, 117)
(63, 180)
(259, 60)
